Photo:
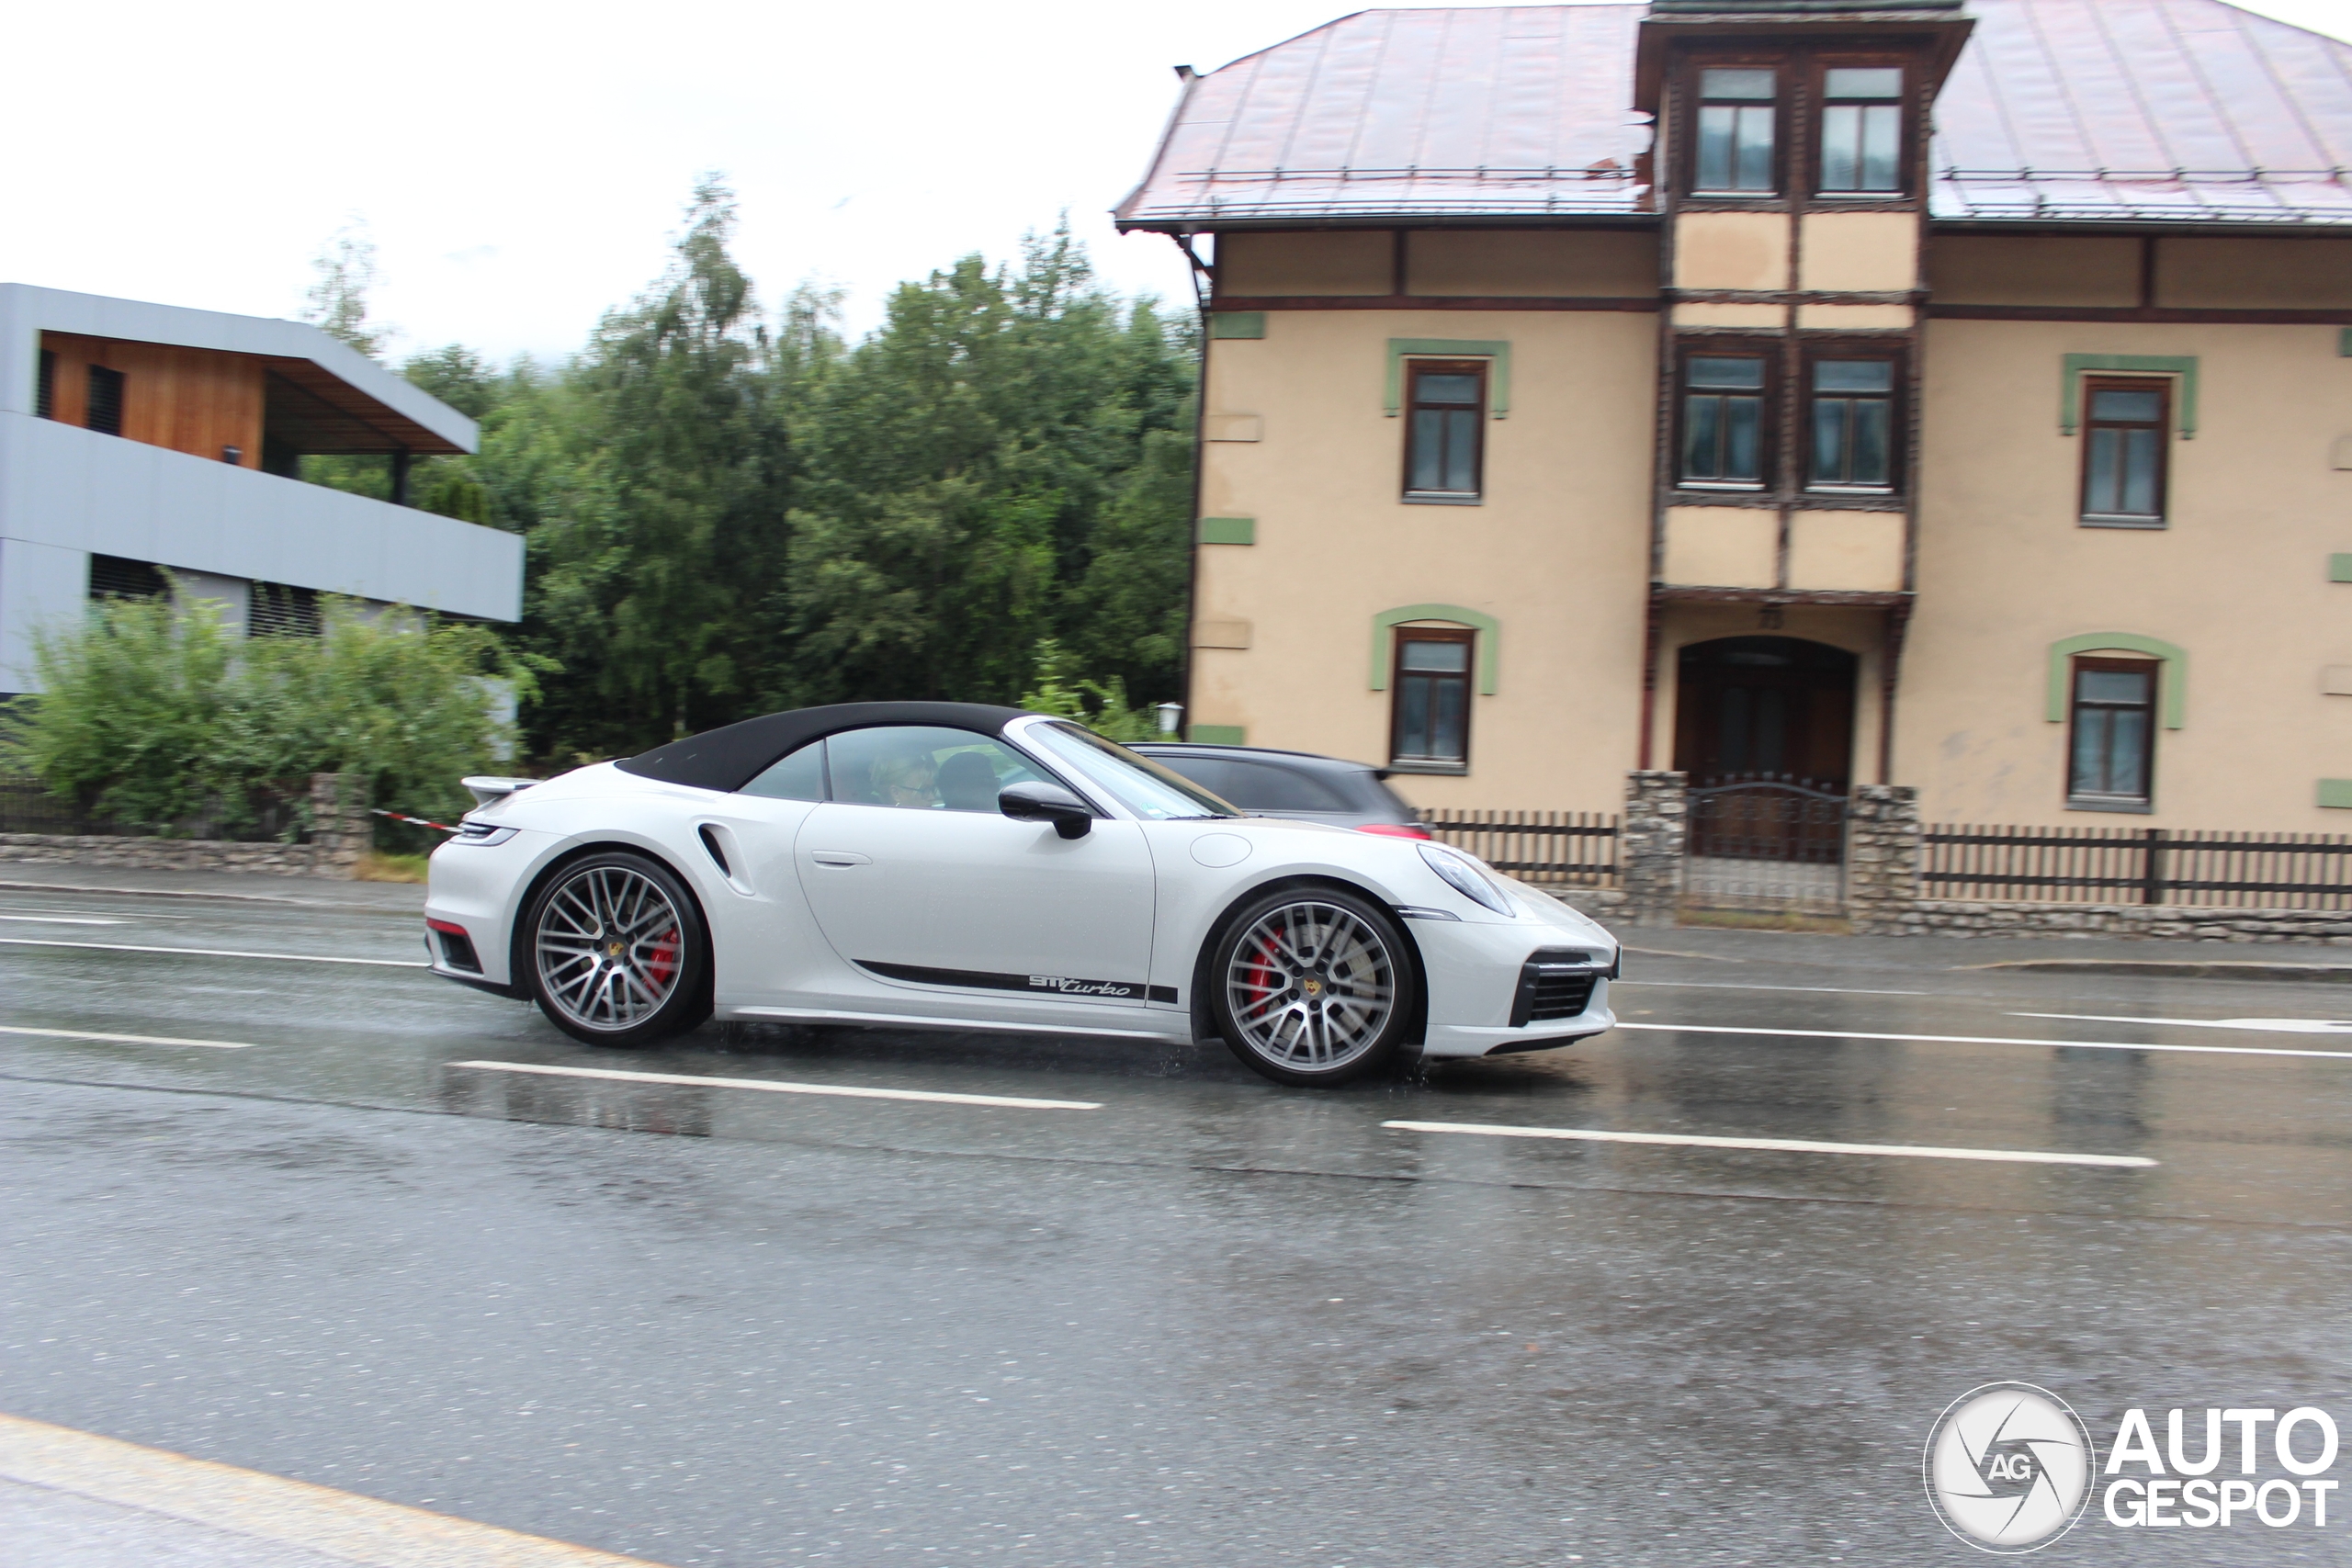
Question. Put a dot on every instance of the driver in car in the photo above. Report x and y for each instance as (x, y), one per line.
(906, 778)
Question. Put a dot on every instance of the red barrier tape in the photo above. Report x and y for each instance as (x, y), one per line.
(397, 816)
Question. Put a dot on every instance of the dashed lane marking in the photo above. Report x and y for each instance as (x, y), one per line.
(1782, 1145)
(215, 952)
(125, 1039)
(1986, 1040)
(2267, 1025)
(846, 1091)
(342, 1526)
(60, 920)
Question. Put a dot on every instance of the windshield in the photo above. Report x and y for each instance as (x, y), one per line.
(1142, 785)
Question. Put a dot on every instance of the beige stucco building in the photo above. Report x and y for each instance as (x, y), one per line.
(1952, 396)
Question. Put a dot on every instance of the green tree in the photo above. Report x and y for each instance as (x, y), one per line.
(666, 511)
(336, 301)
(959, 468)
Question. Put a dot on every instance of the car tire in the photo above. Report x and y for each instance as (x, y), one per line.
(615, 952)
(1311, 985)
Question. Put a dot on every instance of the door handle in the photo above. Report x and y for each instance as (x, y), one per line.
(840, 857)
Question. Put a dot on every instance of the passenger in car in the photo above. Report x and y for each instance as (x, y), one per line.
(968, 783)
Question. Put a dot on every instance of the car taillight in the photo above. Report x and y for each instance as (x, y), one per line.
(1394, 829)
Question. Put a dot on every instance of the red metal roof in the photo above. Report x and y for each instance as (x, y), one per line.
(2067, 110)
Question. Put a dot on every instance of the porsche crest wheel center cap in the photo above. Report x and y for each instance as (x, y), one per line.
(1312, 987)
(613, 948)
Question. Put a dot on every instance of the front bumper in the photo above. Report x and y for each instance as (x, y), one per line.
(1499, 988)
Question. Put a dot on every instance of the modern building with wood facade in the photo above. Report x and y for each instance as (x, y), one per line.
(1942, 395)
(138, 439)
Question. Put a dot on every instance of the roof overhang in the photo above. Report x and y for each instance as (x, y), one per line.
(377, 408)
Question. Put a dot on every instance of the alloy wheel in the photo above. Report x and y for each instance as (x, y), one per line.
(610, 946)
(1310, 986)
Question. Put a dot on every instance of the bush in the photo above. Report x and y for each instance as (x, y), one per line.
(157, 716)
(1063, 693)
(130, 724)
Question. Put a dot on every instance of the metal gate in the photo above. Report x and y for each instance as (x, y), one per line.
(1767, 843)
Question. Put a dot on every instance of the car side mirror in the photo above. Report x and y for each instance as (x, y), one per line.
(1037, 801)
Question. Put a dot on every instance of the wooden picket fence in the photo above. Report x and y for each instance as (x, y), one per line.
(1570, 849)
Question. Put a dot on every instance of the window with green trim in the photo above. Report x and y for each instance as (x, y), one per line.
(2111, 754)
(1430, 722)
(2125, 421)
(1445, 430)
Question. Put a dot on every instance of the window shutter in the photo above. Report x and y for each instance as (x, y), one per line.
(112, 577)
(274, 609)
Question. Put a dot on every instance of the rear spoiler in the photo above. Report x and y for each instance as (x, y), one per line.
(485, 787)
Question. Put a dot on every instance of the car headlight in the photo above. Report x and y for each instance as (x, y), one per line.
(1464, 877)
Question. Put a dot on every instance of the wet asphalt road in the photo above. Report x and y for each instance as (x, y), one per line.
(1211, 1321)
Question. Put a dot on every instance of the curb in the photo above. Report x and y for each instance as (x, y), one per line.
(340, 1525)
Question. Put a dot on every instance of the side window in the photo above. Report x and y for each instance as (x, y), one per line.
(103, 409)
(798, 775)
(1853, 424)
(1861, 130)
(1445, 436)
(1430, 724)
(1214, 774)
(1737, 113)
(1722, 421)
(45, 389)
(2124, 424)
(924, 768)
(1260, 786)
(2111, 752)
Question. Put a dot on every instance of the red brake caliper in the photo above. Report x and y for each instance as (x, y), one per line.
(662, 961)
(1262, 975)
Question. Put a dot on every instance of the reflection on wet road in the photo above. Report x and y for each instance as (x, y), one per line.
(1690, 1292)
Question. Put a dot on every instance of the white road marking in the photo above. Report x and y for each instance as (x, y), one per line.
(1733, 986)
(60, 920)
(2273, 1025)
(1985, 1040)
(216, 952)
(842, 1090)
(126, 1039)
(23, 908)
(1787, 1146)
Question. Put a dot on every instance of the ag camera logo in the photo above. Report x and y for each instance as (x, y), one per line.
(2008, 1467)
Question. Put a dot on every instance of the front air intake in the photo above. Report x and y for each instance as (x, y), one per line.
(1555, 983)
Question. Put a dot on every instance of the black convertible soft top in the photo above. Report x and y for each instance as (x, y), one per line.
(731, 757)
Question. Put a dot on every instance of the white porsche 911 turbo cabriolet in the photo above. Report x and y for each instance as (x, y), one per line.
(951, 865)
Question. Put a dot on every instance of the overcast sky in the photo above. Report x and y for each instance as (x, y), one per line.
(520, 164)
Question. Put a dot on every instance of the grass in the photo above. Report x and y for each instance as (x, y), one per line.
(377, 866)
(1767, 920)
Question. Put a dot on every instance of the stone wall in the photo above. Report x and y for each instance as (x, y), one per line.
(1881, 857)
(1650, 847)
(1958, 917)
(341, 832)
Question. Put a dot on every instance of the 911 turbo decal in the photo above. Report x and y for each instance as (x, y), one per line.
(986, 980)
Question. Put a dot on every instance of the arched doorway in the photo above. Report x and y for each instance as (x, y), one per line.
(1753, 705)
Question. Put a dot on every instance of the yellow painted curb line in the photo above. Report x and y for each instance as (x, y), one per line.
(294, 1513)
